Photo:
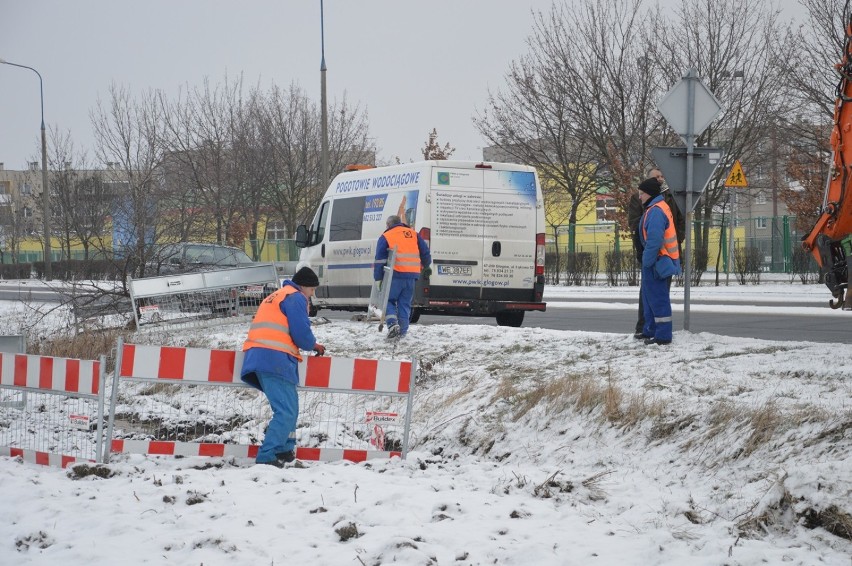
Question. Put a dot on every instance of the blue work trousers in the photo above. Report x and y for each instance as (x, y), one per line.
(657, 305)
(281, 433)
(399, 303)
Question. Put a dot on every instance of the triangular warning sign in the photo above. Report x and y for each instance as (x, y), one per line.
(736, 178)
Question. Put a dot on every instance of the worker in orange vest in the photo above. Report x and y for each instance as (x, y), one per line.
(412, 259)
(280, 329)
(660, 262)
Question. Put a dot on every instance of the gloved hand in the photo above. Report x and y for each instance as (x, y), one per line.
(379, 284)
(319, 349)
(427, 271)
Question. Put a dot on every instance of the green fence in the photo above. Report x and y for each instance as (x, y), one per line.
(773, 243)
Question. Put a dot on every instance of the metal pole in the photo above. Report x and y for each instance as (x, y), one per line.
(731, 196)
(323, 103)
(45, 189)
(691, 77)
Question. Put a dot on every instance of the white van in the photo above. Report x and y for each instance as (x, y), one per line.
(484, 223)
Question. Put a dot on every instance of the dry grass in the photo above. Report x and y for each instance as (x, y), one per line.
(765, 421)
(585, 394)
(832, 518)
(88, 346)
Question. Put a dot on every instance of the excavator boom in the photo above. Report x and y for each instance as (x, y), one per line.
(830, 240)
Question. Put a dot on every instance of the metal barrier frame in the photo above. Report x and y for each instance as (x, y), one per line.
(14, 344)
(165, 285)
(55, 376)
(221, 368)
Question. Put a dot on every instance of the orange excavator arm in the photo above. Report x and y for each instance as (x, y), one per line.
(830, 240)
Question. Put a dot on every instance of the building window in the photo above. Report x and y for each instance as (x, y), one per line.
(761, 198)
(276, 231)
(605, 208)
(761, 223)
(27, 212)
(26, 189)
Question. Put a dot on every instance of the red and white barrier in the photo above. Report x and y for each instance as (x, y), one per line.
(199, 365)
(169, 448)
(63, 375)
(63, 378)
(196, 366)
(41, 458)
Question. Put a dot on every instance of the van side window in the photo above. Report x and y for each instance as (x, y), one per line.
(347, 219)
(318, 225)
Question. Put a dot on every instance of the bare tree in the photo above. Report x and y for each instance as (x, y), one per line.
(292, 138)
(79, 197)
(254, 169)
(721, 40)
(819, 48)
(577, 105)
(433, 149)
(129, 137)
(202, 128)
(290, 132)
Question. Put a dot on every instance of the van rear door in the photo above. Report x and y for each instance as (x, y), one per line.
(456, 233)
(509, 236)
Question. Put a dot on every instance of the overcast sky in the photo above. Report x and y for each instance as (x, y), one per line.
(414, 65)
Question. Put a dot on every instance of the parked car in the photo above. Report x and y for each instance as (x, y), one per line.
(191, 257)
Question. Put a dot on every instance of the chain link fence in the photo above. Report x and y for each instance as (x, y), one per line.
(601, 252)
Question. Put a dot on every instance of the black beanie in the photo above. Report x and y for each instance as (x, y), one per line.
(305, 277)
(651, 187)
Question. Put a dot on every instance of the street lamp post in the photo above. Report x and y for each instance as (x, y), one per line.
(45, 192)
(324, 103)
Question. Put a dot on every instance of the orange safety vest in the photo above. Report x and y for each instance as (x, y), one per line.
(270, 328)
(404, 240)
(669, 247)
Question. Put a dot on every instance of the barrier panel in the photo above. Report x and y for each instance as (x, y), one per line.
(191, 297)
(13, 344)
(60, 419)
(191, 401)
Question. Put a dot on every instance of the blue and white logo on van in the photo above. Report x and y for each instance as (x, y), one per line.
(443, 178)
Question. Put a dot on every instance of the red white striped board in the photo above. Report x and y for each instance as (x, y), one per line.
(65, 375)
(41, 458)
(172, 448)
(199, 365)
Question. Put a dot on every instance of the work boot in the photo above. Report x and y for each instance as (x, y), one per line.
(393, 332)
(639, 336)
(656, 341)
(286, 457)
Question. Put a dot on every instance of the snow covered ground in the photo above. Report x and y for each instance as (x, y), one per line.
(529, 447)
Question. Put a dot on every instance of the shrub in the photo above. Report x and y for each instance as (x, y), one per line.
(747, 265)
(581, 268)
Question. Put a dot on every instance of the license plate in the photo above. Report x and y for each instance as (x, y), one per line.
(455, 270)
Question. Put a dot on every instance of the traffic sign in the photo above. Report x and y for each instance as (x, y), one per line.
(672, 162)
(675, 106)
(736, 178)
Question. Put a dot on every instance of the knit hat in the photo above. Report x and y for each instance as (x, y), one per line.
(651, 187)
(305, 277)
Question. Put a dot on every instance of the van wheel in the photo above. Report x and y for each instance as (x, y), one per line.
(510, 318)
(312, 310)
(414, 316)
